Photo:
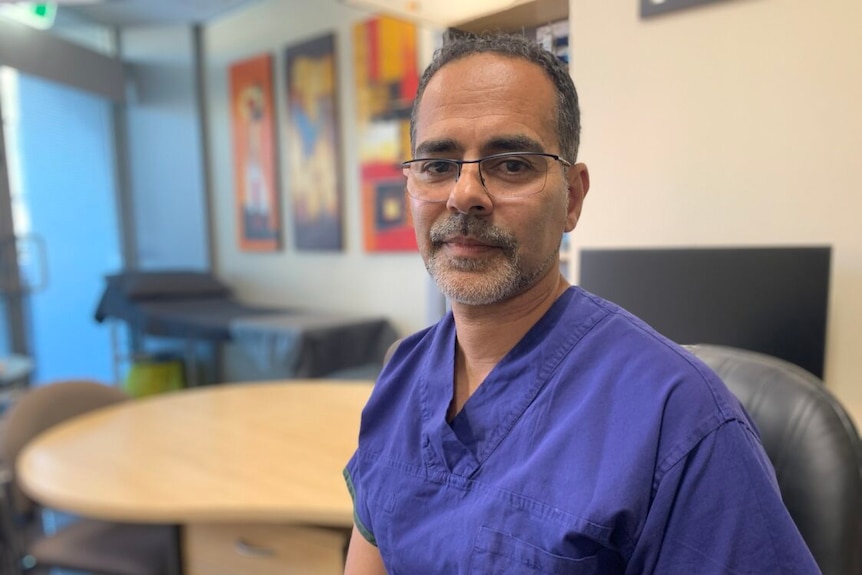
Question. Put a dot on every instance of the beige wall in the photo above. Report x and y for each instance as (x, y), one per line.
(738, 123)
(732, 124)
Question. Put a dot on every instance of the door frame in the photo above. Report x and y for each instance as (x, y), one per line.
(11, 291)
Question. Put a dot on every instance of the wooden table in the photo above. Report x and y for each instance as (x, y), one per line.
(253, 472)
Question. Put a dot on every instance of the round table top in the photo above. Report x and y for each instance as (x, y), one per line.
(261, 452)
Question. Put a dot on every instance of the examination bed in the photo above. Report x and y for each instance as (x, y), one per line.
(281, 341)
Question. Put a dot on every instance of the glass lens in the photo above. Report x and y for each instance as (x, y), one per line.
(514, 175)
(432, 180)
(434, 171)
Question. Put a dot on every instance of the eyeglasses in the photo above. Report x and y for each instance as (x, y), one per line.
(506, 175)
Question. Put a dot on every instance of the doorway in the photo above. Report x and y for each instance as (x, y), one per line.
(65, 226)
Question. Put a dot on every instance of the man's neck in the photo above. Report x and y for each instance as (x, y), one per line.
(487, 333)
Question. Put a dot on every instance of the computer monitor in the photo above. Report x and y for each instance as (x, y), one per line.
(768, 299)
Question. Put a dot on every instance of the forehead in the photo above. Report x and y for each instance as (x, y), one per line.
(484, 98)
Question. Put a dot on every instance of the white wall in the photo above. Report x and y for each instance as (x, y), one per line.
(737, 123)
(164, 149)
(353, 281)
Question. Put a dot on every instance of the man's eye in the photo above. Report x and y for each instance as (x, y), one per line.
(516, 166)
(510, 165)
(437, 168)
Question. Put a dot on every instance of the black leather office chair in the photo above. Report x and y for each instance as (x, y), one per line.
(813, 445)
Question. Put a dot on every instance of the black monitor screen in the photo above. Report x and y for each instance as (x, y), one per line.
(771, 300)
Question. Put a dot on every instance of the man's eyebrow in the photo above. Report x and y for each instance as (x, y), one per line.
(434, 147)
(512, 144)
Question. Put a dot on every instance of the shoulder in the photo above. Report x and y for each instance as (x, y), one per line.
(629, 352)
(637, 374)
(622, 338)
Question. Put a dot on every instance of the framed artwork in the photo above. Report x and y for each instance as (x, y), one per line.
(655, 7)
(313, 144)
(254, 155)
(386, 77)
(554, 37)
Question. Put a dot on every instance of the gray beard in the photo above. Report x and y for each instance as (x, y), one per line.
(490, 281)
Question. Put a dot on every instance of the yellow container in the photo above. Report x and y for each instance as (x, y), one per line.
(149, 377)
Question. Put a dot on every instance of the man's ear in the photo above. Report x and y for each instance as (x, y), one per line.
(579, 185)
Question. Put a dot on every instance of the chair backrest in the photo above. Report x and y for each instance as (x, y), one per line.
(390, 351)
(40, 408)
(812, 444)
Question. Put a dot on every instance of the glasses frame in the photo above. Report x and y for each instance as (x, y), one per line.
(478, 161)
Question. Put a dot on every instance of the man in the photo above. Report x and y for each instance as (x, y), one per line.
(538, 428)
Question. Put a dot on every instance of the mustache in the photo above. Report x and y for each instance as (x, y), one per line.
(473, 227)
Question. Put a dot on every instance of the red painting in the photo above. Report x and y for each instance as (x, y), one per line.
(254, 152)
(385, 64)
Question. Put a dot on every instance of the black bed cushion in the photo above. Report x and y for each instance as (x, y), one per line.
(124, 291)
(167, 285)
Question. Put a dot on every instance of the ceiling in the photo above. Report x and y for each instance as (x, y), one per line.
(128, 13)
(134, 13)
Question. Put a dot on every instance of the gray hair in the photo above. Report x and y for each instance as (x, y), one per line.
(514, 46)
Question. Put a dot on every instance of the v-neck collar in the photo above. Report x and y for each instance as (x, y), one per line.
(497, 405)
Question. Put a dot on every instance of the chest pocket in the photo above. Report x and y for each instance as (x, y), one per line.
(497, 553)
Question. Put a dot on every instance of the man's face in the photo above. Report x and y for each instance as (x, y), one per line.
(481, 249)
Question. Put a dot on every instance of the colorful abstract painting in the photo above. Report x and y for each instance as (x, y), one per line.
(254, 151)
(313, 145)
(385, 64)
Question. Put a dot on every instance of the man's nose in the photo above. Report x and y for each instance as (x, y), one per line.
(468, 193)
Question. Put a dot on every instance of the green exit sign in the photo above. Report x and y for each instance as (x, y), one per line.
(37, 15)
